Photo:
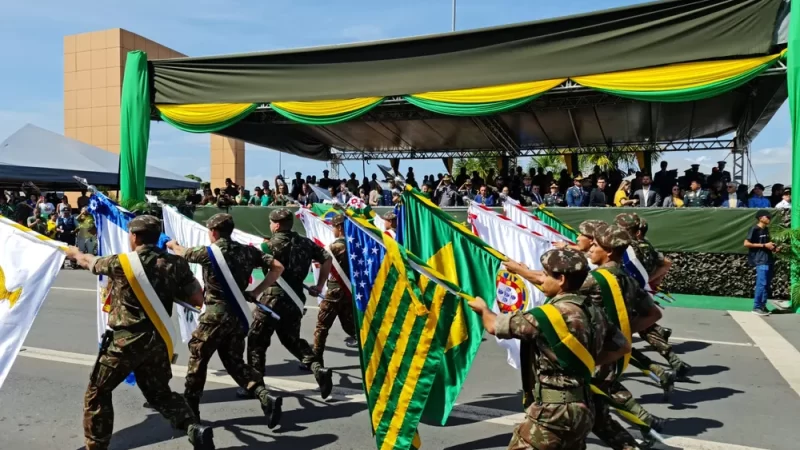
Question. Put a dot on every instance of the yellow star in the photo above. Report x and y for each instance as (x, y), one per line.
(11, 296)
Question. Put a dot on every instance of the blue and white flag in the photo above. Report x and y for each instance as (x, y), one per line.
(29, 262)
(636, 269)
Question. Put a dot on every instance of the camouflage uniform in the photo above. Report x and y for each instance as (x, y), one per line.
(220, 330)
(296, 253)
(696, 199)
(338, 302)
(136, 345)
(651, 259)
(637, 302)
(559, 414)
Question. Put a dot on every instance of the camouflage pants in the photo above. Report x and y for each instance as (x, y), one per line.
(221, 333)
(653, 337)
(608, 430)
(645, 362)
(287, 328)
(328, 311)
(146, 356)
(552, 426)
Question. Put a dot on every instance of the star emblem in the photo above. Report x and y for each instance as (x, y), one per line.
(375, 250)
(350, 239)
(362, 284)
(359, 297)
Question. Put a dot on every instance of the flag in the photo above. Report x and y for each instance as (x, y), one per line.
(402, 320)
(514, 293)
(319, 231)
(29, 263)
(464, 260)
(522, 216)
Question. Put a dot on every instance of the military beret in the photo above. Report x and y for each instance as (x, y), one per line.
(281, 215)
(220, 220)
(565, 261)
(628, 220)
(390, 216)
(612, 236)
(588, 227)
(144, 223)
(337, 220)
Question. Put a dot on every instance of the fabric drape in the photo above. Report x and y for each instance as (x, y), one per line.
(325, 112)
(134, 129)
(205, 118)
(793, 86)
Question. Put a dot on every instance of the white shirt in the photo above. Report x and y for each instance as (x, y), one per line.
(646, 192)
(783, 204)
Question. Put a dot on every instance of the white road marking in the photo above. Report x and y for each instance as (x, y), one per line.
(783, 356)
(345, 395)
(709, 341)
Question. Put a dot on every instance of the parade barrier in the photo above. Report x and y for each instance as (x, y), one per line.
(705, 245)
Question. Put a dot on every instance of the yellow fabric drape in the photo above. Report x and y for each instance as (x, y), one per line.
(640, 159)
(492, 93)
(319, 108)
(203, 113)
(568, 165)
(673, 76)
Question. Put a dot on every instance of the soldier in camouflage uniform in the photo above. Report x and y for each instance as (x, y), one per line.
(656, 266)
(338, 301)
(585, 237)
(559, 413)
(296, 253)
(136, 346)
(609, 245)
(391, 224)
(220, 330)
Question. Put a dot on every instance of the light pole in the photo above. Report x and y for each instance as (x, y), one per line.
(453, 28)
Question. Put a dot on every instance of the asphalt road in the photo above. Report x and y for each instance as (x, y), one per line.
(743, 393)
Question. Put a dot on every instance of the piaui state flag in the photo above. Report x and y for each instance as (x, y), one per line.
(319, 231)
(29, 262)
(533, 221)
(402, 320)
(464, 260)
(514, 293)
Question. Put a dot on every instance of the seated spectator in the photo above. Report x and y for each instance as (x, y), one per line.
(505, 194)
(576, 194)
(257, 197)
(426, 190)
(554, 198)
(344, 194)
(776, 195)
(786, 201)
(231, 189)
(675, 199)
(757, 200)
(242, 198)
(647, 196)
(376, 194)
(536, 198)
(716, 194)
(731, 198)
(483, 198)
(696, 197)
(281, 197)
(597, 198)
(621, 197)
(307, 196)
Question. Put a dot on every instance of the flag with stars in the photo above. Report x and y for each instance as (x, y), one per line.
(402, 330)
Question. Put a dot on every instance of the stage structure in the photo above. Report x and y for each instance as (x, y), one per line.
(664, 76)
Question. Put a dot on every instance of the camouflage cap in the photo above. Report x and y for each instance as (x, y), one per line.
(612, 236)
(337, 220)
(565, 261)
(642, 224)
(281, 215)
(220, 220)
(390, 216)
(628, 220)
(588, 227)
(144, 223)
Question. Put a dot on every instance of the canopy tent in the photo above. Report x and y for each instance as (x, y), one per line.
(50, 160)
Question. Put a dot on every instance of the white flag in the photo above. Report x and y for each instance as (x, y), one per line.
(521, 216)
(321, 233)
(29, 262)
(519, 244)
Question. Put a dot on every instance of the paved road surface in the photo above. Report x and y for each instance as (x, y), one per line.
(743, 393)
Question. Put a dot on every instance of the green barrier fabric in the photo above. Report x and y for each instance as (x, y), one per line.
(793, 86)
(467, 109)
(134, 129)
(325, 120)
(211, 127)
(703, 230)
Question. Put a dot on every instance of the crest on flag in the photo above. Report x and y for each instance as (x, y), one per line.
(10, 295)
(512, 293)
(105, 294)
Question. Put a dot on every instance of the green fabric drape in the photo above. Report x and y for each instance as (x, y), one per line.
(793, 86)
(691, 94)
(134, 129)
(211, 127)
(467, 109)
(325, 120)
(555, 223)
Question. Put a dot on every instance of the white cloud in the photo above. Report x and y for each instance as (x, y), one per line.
(772, 156)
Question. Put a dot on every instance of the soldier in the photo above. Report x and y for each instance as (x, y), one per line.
(554, 198)
(584, 240)
(656, 266)
(556, 395)
(296, 253)
(607, 251)
(133, 343)
(338, 300)
(223, 324)
(391, 224)
(696, 197)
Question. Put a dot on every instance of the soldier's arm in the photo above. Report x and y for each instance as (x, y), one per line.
(84, 260)
(615, 347)
(647, 311)
(339, 251)
(517, 325)
(272, 269)
(319, 255)
(188, 284)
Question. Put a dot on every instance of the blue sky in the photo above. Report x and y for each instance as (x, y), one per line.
(31, 45)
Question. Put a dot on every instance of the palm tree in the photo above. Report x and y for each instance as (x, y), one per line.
(549, 163)
(481, 164)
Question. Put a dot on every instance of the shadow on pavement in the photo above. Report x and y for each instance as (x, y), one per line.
(504, 402)
(153, 429)
(283, 442)
(689, 346)
(707, 370)
(500, 440)
(690, 426)
(688, 399)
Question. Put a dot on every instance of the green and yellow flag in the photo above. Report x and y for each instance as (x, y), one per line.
(464, 260)
(401, 329)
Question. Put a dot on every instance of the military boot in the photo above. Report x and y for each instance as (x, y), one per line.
(667, 378)
(244, 393)
(351, 342)
(324, 379)
(201, 436)
(194, 404)
(271, 405)
(665, 333)
(681, 368)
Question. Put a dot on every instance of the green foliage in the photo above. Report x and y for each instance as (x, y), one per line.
(550, 163)
(481, 164)
(788, 242)
(178, 195)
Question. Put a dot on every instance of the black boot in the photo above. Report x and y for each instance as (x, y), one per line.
(324, 379)
(272, 407)
(244, 393)
(304, 367)
(683, 370)
(667, 383)
(351, 342)
(148, 406)
(194, 405)
(201, 436)
(665, 333)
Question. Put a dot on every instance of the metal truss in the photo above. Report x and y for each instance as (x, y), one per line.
(669, 146)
